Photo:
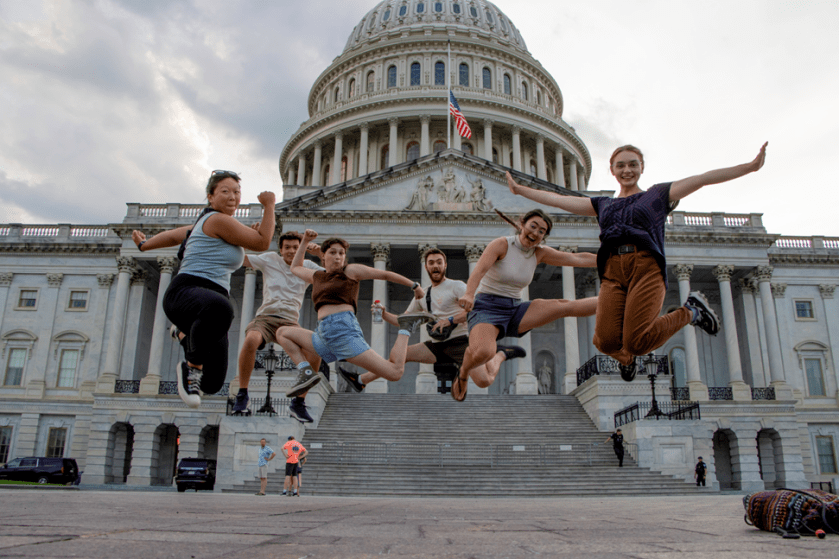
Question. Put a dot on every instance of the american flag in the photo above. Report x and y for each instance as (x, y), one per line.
(462, 126)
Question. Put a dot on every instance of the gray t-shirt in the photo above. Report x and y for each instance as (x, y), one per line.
(282, 291)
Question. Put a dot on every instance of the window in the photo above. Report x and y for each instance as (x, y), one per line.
(352, 88)
(5, 443)
(14, 366)
(403, 10)
(55, 442)
(473, 11)
(440, 73)
(28, 299)
(524, 91)
(438, 7)
(439, 146)
(532, 168)
(78, 300)
(386, 15)
(464, 75)
(67, 368)
(804, 310)
(391, 76)
(487, 78)
(412, 151)
(420, 7)
(503, 24)
(456, 8)
(337, 96)
(494, 155)
(827, 458)
(371, 81)
(508, 85)
(538, 97)
(489, 17)
(343, 177)
(385, 157)
(466, 148)
(815, 379)
(415, 73)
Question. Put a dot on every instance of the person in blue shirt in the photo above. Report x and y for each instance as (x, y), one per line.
(265, 456)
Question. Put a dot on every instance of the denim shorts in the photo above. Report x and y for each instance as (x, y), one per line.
(338, 336)
(502, 312)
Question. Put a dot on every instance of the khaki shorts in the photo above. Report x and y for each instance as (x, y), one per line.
(267, 326)
(263, 472)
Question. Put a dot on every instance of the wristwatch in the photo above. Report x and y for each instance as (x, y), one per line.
(451, 320)
(416, 284)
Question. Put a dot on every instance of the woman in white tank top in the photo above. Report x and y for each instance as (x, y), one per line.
(493, 292)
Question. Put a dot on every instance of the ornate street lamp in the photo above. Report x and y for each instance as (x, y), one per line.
(652, 373)
(270, 361)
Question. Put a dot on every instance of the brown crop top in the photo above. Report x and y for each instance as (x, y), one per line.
(334, 288)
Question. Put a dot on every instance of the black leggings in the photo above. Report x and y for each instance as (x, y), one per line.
(201, 309)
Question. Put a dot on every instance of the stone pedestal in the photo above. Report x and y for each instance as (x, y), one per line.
(698, 391)
(741, 392)
(149, 385)
(526, 383)
(426, 383)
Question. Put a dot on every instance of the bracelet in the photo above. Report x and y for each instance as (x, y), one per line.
(416, 284)
(451, 320)
(140, 246)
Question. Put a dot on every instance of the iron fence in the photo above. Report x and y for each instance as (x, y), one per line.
(822, 485)
(280, 406)
(767, 393)
(168, 387)
(679, 393)
(127, 387)
(669, 411)
(605, 365)
(720, 393)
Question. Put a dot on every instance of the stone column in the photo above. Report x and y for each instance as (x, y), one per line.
(572, 341)
(560, 167)
(336, 158)
(773, 340)
(739, 389)
(526, 382)
(248, 297)
(698, 389)
(488, 139)
(393, 148)
(364, 148)
(589, 285)
(572, 173)
(107, 379)
(752, 330)
(541, 168)
(473, 254)
(426, 382)
(378, 331)
(517, 148)
(290, 177)
(151, 382)
(425, 138)
(301, 169)
(317, 163)
(831, 313)
(5, 284)
(581, 179)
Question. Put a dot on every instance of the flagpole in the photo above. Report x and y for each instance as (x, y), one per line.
(449, 97)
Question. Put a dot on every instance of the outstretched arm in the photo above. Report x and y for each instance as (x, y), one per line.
(682, 188)
(297, 267)
(170, 238)
(362, 272)
(555, 257)
(579, 205)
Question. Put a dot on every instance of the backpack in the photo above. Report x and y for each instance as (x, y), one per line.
(791, 511)
(182, 248)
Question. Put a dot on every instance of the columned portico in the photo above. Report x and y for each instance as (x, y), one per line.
(378, 337)
(301, 169)
(572, 174)
(698, 389)
(473, 254)
(773, 340)
(425, 141)
(752, 332)
(393, 147)
(739, 389)
(426, 379)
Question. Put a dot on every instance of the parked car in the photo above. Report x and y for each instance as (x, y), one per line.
(196, 473)
(41, 470)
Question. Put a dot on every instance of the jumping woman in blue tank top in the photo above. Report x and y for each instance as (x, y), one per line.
(198, 300)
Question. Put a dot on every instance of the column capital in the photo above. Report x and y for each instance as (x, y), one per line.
(425, 119)
(54, 280)
(516, 130)
(488, 123)
(747, 285)
(723, 272)
(139, 277)
(566, 249)
(126, 263)
(424, 248)
(105, 280)
(474, 252)
(393, 121)
(366, 125)
(167, 264)
(6, 279)
(381, 252)
(779, 290)
(339, 135)
(540, 139)
(826, 290)
(683, 271)
(250, 271)
(763, 273)
(317, 143)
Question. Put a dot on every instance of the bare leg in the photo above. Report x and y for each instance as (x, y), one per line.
(297, 343)
(263, 483)
(544, 311)
(417, 353)
(482, 348)
(389, 369)
(484, 375)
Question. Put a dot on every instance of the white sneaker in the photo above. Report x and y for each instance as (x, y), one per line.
(189, 383)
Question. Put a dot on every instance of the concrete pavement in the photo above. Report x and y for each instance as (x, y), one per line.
(208, 525)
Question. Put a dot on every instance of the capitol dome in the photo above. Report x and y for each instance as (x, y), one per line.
(383, 101)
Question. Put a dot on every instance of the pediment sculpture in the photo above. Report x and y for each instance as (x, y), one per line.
(450, 195)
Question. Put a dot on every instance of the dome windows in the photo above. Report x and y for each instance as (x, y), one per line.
(487, 78)
(456, 8)
(438, 7)
(412, 152)
(463, 75)
(371, 81)
(503, 24)
(386, 16)
(489, 18)
(351, 88)
(420, 7)
(524, 91)
(415, 73)
(508, 85)
(538, 97)
(391, 76)
(440, 73)
(337, 95)
(403, 10)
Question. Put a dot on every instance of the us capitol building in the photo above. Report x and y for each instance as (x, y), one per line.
(88, 368)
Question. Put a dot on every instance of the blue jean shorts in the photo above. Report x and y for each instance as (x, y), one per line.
(502, 312)
(338, 336)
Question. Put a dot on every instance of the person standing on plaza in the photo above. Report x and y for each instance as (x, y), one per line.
(700, 471)
(300, 473)
(293, 452)
(265, 456)
(493, 293)
(282, 297)
(197, 302)
(617, 445)
(630, 262)
(449, 336)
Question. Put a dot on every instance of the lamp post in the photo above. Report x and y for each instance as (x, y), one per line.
(652, 373)
(270, 361)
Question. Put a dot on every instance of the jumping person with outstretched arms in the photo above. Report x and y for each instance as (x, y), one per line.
(630, 262)
(493, 292)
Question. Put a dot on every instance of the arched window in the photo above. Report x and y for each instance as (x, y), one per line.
(438, 7)
(524, 91)
(337, 95)
(456, 8)
(352, 88)
(415, 73)
(420, 7)
(464, 75)
(489, 17)
(343, 169)
(466, 148)
(494, 155)
(503, 24)
(386, 15)
(538, 97)
(403, 10)
(440, 73)
(385, 156)
(412, 151)
(473, 11)
(371, 81)
(508, 85)
(532, 168)
(391, 76)
(487, 75)
(439, 146)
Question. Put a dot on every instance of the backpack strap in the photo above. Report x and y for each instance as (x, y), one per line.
(428, 299)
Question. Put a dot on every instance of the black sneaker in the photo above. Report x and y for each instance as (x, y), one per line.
(628, 372)
(297, 410)
(241, 404)
(189, 384)
(511, 351)
(306, 378)
(412, 321)
(707, 319)
(352, 379)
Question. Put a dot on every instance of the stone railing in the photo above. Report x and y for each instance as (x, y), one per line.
(60, 231)
(807, 242)
(138, 212)
(714, 219)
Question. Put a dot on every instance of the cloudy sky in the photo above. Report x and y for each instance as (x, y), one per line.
(108, 102)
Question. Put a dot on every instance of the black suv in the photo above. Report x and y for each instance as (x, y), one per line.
(41, 470)
(196, 473)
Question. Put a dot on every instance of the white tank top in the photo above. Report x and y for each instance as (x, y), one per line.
(508, 276)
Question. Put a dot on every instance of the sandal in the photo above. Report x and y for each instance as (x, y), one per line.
(459, 388)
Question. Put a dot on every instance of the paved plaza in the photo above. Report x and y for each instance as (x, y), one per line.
(128, 524)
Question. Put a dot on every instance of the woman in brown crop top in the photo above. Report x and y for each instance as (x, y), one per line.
(335, 296)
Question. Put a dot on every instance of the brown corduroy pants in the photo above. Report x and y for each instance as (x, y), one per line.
(631, 295)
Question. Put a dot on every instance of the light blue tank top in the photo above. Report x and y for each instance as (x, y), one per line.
(211, 258)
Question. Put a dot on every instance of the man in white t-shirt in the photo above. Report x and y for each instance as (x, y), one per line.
(444, 294)
(282, 297)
